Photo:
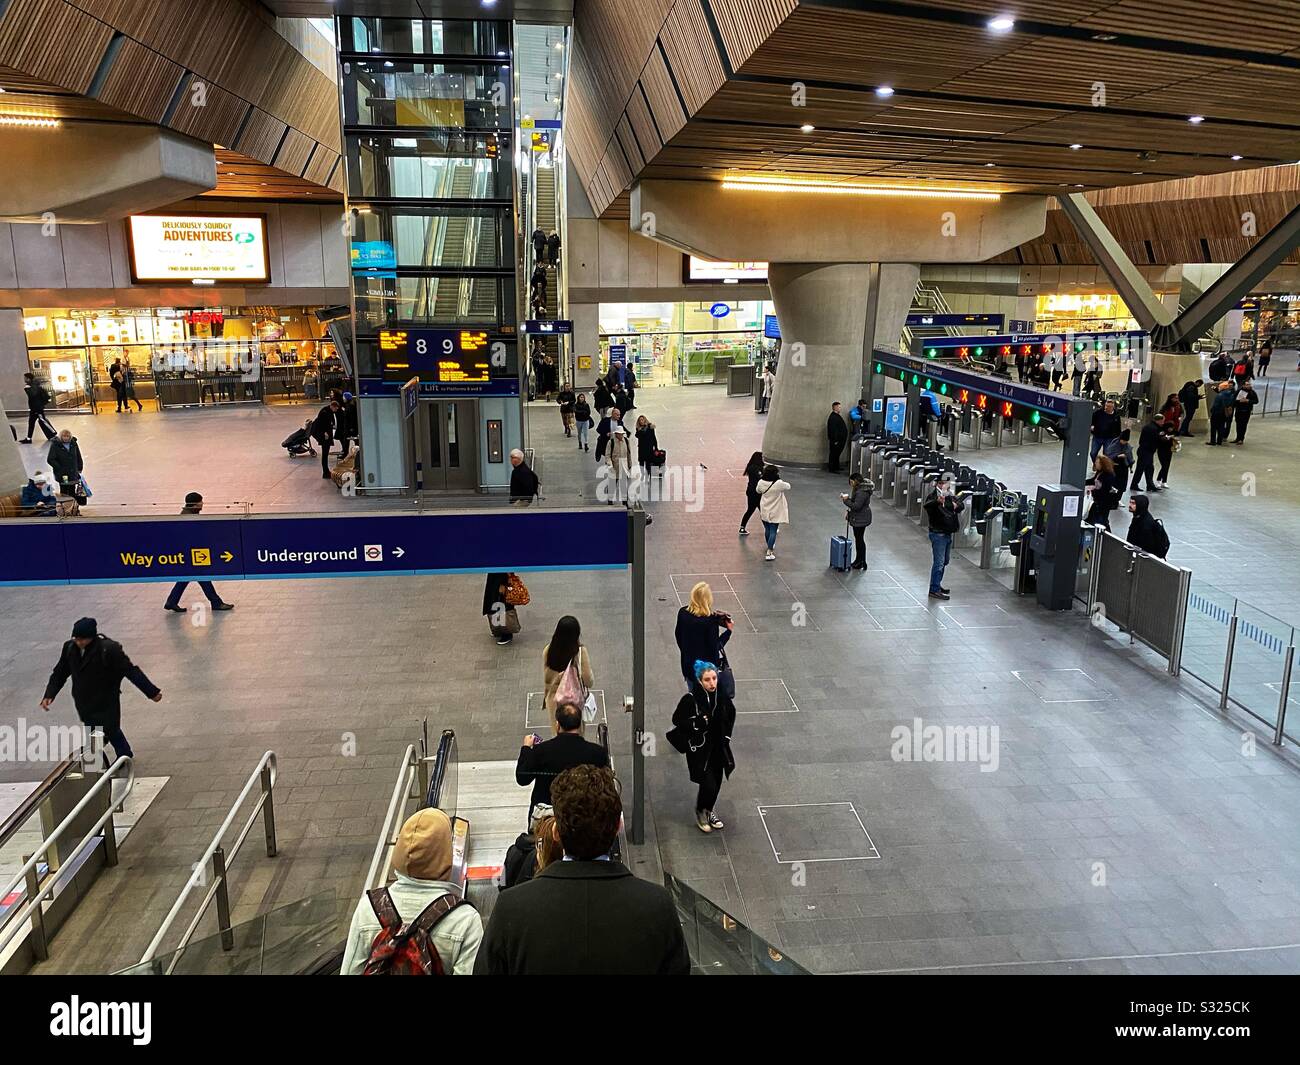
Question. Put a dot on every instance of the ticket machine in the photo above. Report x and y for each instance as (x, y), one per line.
(1054, 541)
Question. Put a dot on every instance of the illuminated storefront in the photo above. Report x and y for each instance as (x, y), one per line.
(180, 357)
(678, 343)
(1083, 312)
(1269, 316)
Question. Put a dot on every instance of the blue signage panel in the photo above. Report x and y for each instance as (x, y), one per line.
(956, 320)
(548, 326)
(105, 551)
(496, 386)
(182, 549)
(372, 255)
(914, 371)
(771, 328)
(411, 397)
(1122, 342)
(720, 310)
(895, 413)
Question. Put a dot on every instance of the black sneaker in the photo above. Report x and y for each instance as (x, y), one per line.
(175, 609)
(223, 606)
(940, 595)
(944, 590)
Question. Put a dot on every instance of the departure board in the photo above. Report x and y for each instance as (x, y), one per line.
(458, 360)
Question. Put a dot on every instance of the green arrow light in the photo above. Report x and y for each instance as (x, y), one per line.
(878, 367)
(1036, 417)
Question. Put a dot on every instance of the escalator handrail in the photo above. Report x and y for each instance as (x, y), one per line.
(441, 759)
(602, 737)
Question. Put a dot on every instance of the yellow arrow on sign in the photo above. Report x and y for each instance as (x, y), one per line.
(226, 556)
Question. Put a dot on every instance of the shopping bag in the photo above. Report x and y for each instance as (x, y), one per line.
(516, 591)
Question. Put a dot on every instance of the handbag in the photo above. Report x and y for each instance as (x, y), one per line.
(570, 689)
(658, 457)
(516, 591)
(512, 621)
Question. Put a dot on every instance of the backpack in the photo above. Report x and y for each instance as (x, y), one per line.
(402, 949)
(1239, 370)
(570, 689)
(1162, 539)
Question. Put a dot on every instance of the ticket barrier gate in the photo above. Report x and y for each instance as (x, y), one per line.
(877, 453)
(905, 450)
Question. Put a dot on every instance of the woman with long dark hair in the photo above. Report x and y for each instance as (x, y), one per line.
(565, 647)
(702, 725)
(1105, 491)
(753, 471)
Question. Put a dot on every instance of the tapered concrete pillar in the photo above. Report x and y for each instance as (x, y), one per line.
(822, 310)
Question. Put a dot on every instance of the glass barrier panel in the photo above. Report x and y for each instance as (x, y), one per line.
(425, 95)
(1258, 662)
(1205, 632)
(422, 36)
(431, 166)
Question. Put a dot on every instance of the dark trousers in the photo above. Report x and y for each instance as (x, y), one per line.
(1187, 421)
(1100, 515)
(601, 441)
(1145, 465)
(1166, 457)
(860, 541)
(1243, 419)
(833, 459)
(1218, 427)
(37, 417)
(751, 500)
(325, 446)
(113, 735)
(179, 589)
(709, 787)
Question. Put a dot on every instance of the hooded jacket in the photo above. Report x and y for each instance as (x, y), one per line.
(456, 937)
(702, 724)
(1145, 532)
(859, 506)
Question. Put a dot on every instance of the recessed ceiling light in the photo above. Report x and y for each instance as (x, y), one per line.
(1139, 173)
(1236, 158)
(1075, 147)
(26, 120)
(1103, 36)
(990, 164)
(1196, 120)
(1002, 24)
(884, 90)
(807, 128)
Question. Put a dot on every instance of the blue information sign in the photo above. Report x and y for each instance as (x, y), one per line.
(895, 413)
(126, 551)
(548, 326)
(956, 320)
(771, 328)
(373, 255)
(720, 310)
(411, 397)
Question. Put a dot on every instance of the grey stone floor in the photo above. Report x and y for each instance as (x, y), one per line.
(1123, 830)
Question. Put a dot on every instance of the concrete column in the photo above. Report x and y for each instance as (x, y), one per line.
(821, 309)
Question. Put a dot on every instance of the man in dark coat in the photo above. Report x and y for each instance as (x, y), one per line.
(524, 484)
(65, 462)
(325, 429)
(194, 505)
(553, 247)
(1105, 427)
(97, 666)
(1145, 532)
(1190, 397)
(586, 915)
(37, 400)
(1242, 408)
(837, 434)
(1148, 442)
(539, 244)
(540, 763)
(1221, 414)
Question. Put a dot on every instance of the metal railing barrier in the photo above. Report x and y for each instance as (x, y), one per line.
(1143, 595)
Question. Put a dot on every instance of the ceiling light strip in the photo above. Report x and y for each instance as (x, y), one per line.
(28, 120)
(756, 184)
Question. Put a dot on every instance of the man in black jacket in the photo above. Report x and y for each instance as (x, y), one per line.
(325, 429)
(1144, 531)
(1105, 427)
(37, 400)
(837, 434)
(97, 666)
(540, 763)
(1148, 442)
(194, 505)
(943, 510)
(1190, 397)
(65, 462)
(523, 482)
(586, 915)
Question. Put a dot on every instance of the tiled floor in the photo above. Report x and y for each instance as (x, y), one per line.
(1124, 831)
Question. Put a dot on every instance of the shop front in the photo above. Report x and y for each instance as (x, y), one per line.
(176, 357)
(1083, 312)
(685, 343)
(1272, 317)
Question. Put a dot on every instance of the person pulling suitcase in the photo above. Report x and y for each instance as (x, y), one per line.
(857, 502)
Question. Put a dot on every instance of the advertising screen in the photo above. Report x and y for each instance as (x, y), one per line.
(706, 271)
(166, 247)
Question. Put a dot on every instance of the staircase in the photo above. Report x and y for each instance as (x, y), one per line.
(544, 218)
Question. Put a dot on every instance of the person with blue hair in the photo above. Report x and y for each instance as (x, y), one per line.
(702, 725)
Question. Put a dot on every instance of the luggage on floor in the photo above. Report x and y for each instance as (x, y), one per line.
(841, 552)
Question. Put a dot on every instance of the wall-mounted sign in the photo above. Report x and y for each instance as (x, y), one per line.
(720, 310)
(170, 247)
(771, 328)
(704, 271)
(438, 357)
(548, 326)
(373, 255)
(956, 320)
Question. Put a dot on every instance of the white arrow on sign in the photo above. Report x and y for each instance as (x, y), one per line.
(398, 552)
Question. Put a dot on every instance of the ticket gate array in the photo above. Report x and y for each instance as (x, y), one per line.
(903, 472)
(972, 429)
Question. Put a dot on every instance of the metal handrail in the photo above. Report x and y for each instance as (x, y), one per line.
(123, 767)
(265, 772)
(378, 871)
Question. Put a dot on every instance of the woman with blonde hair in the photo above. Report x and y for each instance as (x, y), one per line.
(701, 635)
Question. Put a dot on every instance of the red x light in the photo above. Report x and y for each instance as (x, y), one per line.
(1007, 409)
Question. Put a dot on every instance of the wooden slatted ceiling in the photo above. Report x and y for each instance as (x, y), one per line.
(212, 114)
(140, 81)
(53, 42)
(691, 53)
(745, 24)
(656, 83)
(260, 137)
(239, 177)
(642, 124)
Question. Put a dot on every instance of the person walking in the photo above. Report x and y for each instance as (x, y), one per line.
(65, 463)
(1265, 357)
(1121, 454)
(837, 434)
(630, 386)
(1148, 444)
(773, 508)
(943, 510)
(1242, 408)
(128, 383)
(603, 398)
(647, 443)
(565, 648)
(1145, 531)
(541, 761)
(1221, 414)
(118, 384)
(1105, 491)
(702, 633)
(582, 416)
(566, 399)
(623, 400)
(618, 464)
(1243, 370)
(525, 485)
(194, 505)
(37, 400)
(702, 726)
(766, 380)
(553, 248)
(97, 666)
(605, 428)
(753, 471)
(1172, 411)
(857, 502)
(325, 428)
(1190, 398)
(503, 619)
(1105, 427)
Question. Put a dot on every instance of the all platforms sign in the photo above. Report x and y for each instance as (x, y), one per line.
(213, 248)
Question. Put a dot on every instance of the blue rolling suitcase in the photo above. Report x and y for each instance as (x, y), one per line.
(841, 552)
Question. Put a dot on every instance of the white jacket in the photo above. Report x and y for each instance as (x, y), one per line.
(772, 506)
(457, 936)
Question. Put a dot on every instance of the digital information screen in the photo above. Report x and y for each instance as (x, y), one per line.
(697, 271)
(185, 247)
(454, 357)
